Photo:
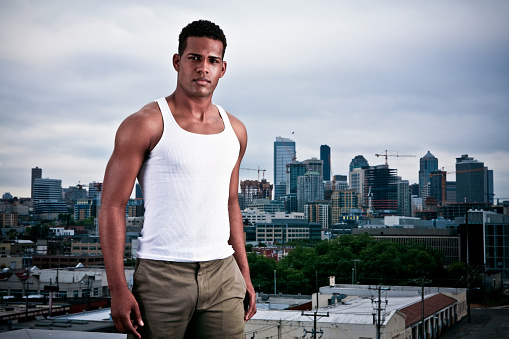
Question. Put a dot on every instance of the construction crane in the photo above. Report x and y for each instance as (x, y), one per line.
(255, 169)
(386, 154)
(294, 155)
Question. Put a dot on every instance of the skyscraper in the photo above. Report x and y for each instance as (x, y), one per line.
(358, 161)
(314, 165)
(309, 189)
(383, 183)
(284, 153)
(428, 163)
(139, 192)
(47, 189)
(47, 198)
(325, 157)
(358, 167)
(293, 171)
(474, 182)
(36, 174)
(404, 198)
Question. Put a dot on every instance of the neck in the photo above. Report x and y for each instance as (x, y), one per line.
(186, 103)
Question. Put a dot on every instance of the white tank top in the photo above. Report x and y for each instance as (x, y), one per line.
(185, 182)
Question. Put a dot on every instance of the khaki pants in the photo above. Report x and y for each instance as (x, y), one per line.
(190, 300)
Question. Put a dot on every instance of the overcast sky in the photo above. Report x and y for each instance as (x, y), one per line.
(360, 76)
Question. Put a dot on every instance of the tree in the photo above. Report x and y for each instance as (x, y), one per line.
(262, 272)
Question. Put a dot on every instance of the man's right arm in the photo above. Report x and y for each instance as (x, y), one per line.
(135, 138)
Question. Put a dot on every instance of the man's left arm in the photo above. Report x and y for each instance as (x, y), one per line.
(236, 222)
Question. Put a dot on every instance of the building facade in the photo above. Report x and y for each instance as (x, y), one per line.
(309, 189)
(325, 157)
(342, 202)
(473, 184)
(427, 164)
(284, 153)
(404, 198)
(36, 174)
(381, 181)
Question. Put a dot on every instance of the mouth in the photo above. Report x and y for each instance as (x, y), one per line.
(202, 81)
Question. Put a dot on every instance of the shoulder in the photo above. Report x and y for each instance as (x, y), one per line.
(144, 126)
(238, 128)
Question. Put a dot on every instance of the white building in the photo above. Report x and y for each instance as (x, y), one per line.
(350, 311)
(61, 232)
(255, 216)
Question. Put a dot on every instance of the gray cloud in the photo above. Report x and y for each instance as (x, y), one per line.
(359, 76)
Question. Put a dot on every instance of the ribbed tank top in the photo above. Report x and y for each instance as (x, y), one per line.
(185, 182)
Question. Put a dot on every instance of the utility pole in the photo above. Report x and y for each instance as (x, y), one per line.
(377, 311)
(315, 314)
(423, 332)
(467, 263)
(354, 271)
(275, 290)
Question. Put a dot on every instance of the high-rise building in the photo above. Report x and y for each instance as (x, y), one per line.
(251, 190)
(428, 163)
(381, 181)
(314, 165)
(47, 198)
(74, 193)
(474, 182)
(284, 153)
(341, 182)
(358, 161)
(318, 212)
(404, 198)
(94, 190)
(450, 191)
(47, 189)
(343, 201)
(139, 192)
(309, 189)
(36, 174)
(438, 186)
(293, 171)
(325, 157)
(357, 179)
(85, 208)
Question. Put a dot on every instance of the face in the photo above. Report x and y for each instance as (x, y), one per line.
(200, 67)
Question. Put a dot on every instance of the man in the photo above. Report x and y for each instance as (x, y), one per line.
(192, 276)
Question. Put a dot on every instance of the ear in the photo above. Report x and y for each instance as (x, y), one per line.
(223, 70)
(176, 61)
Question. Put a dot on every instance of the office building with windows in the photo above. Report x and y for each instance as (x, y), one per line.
(284, 153)
(36, 174)
(325, 157)
(427, 164)
(474, 182)
(310, 188)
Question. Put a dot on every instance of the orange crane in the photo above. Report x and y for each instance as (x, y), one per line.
(386, 154)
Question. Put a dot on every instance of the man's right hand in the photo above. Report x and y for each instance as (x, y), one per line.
(126, 313)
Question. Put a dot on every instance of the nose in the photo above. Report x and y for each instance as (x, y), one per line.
(203, 67)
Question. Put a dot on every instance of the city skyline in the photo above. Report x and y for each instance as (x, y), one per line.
(360, 77)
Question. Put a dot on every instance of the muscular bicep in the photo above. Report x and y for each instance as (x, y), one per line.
(132, 143)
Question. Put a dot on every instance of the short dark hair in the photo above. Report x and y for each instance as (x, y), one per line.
(201, 29)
